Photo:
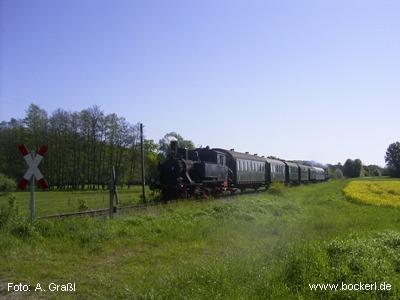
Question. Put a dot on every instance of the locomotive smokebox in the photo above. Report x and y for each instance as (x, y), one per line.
(183, 153)
(174, 148)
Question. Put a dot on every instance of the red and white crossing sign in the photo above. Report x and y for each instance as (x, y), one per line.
(33, 163)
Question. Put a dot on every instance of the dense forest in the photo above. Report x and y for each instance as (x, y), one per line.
(82, 147)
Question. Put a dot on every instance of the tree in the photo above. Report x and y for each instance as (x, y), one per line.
(357, 168)
(348, 168)
(352, 168)
(392, 159)
(372, 170)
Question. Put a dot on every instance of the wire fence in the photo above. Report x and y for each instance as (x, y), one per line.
(80, 202)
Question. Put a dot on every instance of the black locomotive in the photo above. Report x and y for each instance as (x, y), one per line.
(205, 171)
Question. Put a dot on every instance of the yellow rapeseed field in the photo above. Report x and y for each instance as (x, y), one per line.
(381, 193)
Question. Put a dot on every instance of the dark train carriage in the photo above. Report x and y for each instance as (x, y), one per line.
(275, 171)
(248, 171)
(303, 173)
(312, 174)
(320, 174)
(291, 172)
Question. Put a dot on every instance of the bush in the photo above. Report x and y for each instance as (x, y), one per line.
(276, 188)
(338, 174)
(10, 212)
(7, 184)
(82, 205)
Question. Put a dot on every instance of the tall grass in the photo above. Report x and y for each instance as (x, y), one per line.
(258, 246)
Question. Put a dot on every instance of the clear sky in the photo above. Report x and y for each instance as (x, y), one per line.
(297, 79)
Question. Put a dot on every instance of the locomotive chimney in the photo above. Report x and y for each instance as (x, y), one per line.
(174, 148)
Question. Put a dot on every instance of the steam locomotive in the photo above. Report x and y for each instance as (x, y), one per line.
(206, 171)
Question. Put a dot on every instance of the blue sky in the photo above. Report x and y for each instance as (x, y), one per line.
(296, 79)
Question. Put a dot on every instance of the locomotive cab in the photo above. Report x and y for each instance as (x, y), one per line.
(212, 166)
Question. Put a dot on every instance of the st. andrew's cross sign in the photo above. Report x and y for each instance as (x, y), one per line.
(33, 162)
(33, 173)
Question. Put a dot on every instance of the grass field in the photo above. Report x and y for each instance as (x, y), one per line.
(381, 193)
(257, 246)
(55, 202)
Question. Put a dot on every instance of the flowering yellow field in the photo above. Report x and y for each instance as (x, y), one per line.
(381, 193)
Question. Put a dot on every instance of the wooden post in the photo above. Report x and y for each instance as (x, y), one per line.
(115, 185)
(142, 158)
(111, 208)
(113, 193)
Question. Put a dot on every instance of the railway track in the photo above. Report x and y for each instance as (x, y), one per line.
(122, 210)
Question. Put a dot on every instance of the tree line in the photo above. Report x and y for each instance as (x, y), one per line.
(355, 168)
(82, 147)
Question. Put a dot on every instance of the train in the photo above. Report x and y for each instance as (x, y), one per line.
(212, 171)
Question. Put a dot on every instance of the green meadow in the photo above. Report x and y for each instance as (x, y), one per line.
(56, 202)
(254, 246)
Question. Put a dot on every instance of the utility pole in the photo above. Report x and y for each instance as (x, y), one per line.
(142, 159)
